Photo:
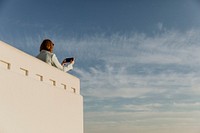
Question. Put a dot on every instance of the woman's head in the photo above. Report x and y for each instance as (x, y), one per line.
(47, 45)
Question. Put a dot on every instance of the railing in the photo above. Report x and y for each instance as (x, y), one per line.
(16, 61)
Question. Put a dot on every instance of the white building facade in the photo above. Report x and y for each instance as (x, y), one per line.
(36, 97)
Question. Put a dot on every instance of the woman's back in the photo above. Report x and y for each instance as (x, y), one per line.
(45, 56)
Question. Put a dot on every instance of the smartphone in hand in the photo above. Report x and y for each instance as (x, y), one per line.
(68, 59)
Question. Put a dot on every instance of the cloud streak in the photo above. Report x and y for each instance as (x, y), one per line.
(143, 122)
(134, 65)
(137, 80)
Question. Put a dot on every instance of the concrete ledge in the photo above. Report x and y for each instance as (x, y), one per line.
(19, 62)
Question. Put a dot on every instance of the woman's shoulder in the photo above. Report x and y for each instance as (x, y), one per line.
(46, 52)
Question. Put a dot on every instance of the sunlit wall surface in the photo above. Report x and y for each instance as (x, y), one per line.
(36, 97)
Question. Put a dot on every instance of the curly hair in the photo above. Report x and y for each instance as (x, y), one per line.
(47, 45)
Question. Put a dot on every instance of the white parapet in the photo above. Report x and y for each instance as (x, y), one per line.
(36, 97)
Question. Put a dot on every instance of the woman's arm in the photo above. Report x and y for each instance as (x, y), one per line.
(57, 64)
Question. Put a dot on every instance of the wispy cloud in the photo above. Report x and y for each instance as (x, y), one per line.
(137, 80)
(150, 122)
(134, 65)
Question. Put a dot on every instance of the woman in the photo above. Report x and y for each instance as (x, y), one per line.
(46, 54)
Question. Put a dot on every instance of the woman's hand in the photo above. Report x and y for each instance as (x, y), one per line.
(71, 62)
(63, 62)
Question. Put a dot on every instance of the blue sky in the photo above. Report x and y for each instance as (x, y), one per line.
(138, 60)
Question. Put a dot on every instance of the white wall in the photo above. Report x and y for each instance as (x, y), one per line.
(36, 97)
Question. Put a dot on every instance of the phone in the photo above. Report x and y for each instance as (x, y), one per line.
(69, 59)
